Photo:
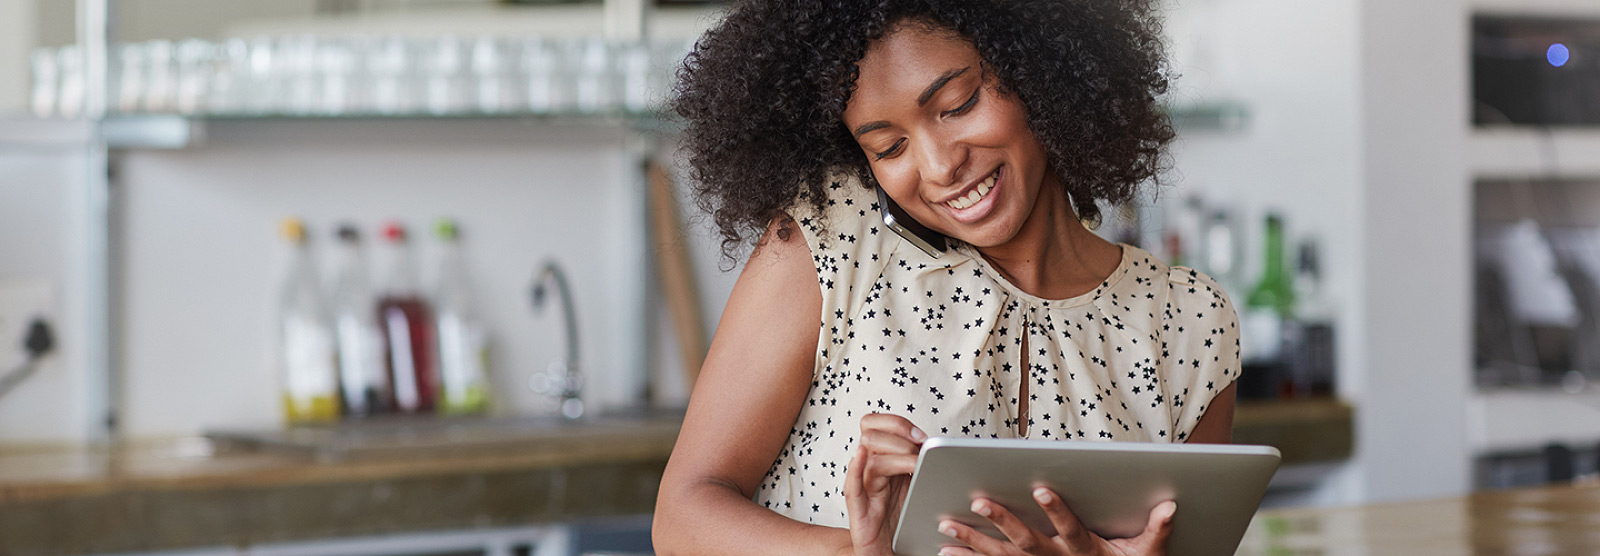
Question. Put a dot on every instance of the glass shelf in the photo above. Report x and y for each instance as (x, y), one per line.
(173, 131)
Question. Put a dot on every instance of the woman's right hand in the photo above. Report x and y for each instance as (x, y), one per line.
(876, 482)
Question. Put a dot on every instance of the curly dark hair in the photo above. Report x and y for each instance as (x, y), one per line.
(763, 95)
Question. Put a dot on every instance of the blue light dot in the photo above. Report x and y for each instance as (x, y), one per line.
(1558, 55)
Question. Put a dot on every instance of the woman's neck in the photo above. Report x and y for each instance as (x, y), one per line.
(1053, 256)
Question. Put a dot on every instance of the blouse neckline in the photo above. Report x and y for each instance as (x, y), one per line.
(1079, 300)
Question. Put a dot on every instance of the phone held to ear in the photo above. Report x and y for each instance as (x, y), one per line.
(929, 241)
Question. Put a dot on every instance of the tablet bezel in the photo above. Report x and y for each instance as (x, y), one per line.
(1211, 518)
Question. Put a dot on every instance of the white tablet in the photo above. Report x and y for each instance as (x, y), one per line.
(1110, 486)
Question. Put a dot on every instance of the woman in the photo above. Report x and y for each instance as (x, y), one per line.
(999, 124)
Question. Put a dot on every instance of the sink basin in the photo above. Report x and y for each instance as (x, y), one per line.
(431, 436)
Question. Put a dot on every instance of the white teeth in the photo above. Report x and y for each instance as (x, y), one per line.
(973, 197)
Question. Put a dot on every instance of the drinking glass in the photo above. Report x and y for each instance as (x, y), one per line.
(542, 76)
(161, 83)
(493, 75)
(230, 71)
(594, 76)
(444, 70)
(69, 61)
(46, 82)
(194, 72)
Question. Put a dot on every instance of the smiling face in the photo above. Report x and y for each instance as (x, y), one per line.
(944, 141)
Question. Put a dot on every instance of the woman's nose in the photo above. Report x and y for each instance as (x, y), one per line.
(941, 161)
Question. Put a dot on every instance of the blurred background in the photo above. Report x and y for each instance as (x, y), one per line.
(422, 277)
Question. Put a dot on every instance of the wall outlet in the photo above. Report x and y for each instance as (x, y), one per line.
(21, 301)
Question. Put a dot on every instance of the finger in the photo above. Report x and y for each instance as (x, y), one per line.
(883, 466)
(885, 442)
(1025, 537)
(1068, 527)
(980, 543)
(894, 424)
(953, 550)
(855, 474)
(1159, 528)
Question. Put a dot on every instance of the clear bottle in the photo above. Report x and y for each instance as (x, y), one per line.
(1267, 309)
(407, 324)
(463, 340)
(1221, 250)
(306, 346)
(363, 376)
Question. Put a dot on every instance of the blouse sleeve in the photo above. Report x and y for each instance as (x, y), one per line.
(849, 246)
(1204, 346)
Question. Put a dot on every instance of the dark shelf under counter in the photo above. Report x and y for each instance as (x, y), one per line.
(1305, 431)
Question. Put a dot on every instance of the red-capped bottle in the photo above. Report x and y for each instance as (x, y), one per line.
(407, 324)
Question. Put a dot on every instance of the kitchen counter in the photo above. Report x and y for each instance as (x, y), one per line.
(430, 475)
(171, 495)
(1547, 520)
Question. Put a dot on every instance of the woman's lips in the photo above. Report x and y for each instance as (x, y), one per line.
(971, 210)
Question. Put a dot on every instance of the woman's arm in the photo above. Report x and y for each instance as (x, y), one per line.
(1216, 426)
(750, 391)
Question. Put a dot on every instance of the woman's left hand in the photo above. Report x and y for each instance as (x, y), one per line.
(1071, 537)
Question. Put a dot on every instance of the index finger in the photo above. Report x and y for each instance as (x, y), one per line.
(1068, 528)
(893, 424)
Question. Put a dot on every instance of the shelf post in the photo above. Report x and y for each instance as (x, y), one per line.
(94, 256)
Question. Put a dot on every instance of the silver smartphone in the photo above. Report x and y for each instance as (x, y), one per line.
(930, 242)
(1110, 486)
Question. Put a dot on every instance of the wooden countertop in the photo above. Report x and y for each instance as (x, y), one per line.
(154, 497)
(1546, 520)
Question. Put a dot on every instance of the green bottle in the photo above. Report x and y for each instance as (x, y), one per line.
(1275, 290)
(1267, 310)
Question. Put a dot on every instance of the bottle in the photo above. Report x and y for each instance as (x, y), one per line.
(363, 376)
(1312, 363)
(1221, 247)
(310, 383)
(463, 341)
(1269, 306)
(407, 326)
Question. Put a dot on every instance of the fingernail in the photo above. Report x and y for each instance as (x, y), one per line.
(917, 435)
(1172, 509)
(980, 508)
(948, 529)
(1042, 495)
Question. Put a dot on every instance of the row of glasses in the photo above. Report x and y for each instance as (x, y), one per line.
(305, 75)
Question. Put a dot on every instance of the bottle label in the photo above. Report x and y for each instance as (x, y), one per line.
(463, 350)
(309, 356)
(1261, 337)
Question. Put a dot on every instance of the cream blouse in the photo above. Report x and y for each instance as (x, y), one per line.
(937, 341)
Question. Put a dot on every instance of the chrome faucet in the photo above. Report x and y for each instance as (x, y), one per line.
(562, 378)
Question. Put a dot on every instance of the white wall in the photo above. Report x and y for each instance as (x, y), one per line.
(40, 196)
(201, 264)
(1416, 285)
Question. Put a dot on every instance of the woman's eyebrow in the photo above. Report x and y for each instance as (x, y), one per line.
(927, 94)
(922, 100)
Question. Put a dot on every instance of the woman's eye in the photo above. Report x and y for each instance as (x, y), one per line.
(965, 106)
(889, 151)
